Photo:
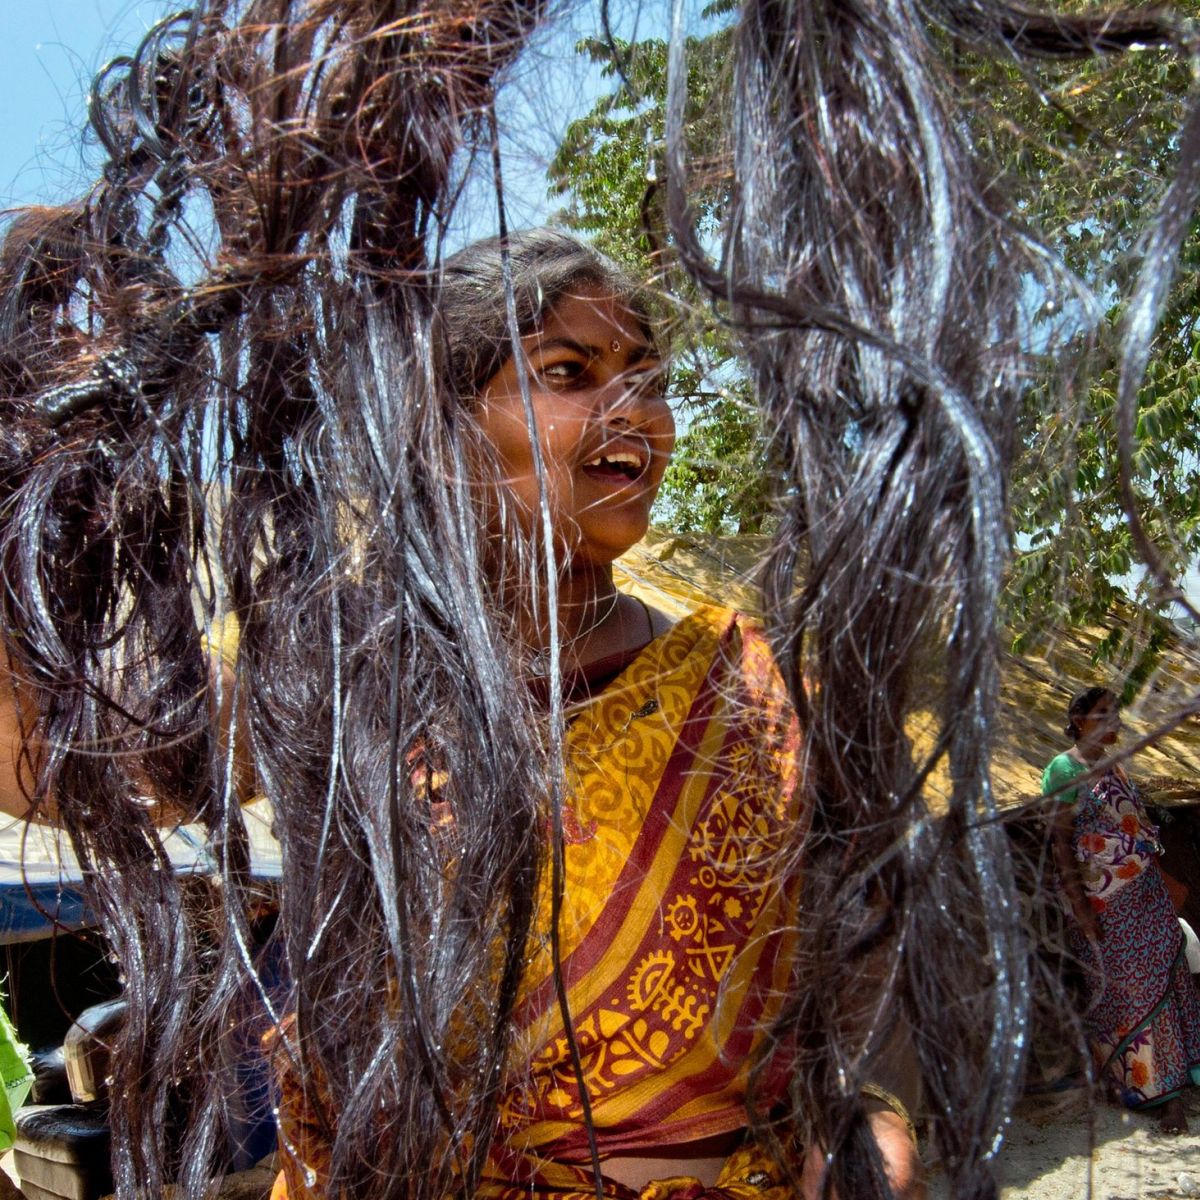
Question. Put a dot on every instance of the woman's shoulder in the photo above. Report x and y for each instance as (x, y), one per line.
(723, 639)
(740, 649)
(714, 628)
(1059, 771)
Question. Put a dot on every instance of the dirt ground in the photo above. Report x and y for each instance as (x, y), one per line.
(1052, 1154)
(1048, 1156)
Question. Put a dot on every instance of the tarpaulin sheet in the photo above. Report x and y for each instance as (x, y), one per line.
(41, 880)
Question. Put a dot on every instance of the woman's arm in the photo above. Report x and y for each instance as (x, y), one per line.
(231, 718)
(1067, 865)
(1056, 784)
(18, 755)
(20, 751)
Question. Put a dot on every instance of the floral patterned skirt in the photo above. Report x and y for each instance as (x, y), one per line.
(1143, 1017)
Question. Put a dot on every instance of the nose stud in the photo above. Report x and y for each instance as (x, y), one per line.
(615, 346)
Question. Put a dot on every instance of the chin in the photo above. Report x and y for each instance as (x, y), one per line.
(608, 544)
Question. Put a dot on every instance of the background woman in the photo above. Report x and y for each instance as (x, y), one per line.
(1143, 1014)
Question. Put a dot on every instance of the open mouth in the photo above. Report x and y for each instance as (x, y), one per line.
(624, 465)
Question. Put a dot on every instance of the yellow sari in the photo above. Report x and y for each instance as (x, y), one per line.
(673, 928)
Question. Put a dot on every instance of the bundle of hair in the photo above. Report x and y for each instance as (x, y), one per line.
(879, 279)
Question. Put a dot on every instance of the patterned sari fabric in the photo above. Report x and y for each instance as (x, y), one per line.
(1144, 1017)
(673, 950)
(673, 929)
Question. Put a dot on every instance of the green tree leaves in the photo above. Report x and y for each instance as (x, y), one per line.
(1084, 150)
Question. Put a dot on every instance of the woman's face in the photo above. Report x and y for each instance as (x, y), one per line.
(603, 425)
(1102, 724)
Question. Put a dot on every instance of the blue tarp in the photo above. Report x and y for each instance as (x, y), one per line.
(41, 883)
(35, 899)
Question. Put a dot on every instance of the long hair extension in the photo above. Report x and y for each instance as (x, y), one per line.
(879, 281)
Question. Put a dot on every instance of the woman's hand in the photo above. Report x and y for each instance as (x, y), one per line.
(901, 1159)
(1086, 919)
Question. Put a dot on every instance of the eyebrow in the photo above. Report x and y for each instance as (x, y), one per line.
(640, 353)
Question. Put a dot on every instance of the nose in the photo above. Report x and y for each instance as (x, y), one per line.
(619, 392)
(629, 399)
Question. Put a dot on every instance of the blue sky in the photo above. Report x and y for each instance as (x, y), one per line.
(51, 49)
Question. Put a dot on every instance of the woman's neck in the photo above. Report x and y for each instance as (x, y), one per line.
(594, 620)
(1090, 753)
(587, 599)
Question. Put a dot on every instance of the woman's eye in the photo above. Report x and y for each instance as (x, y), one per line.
(563, 372)
(652, 382)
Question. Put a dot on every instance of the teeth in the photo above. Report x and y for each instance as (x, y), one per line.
(618, 458)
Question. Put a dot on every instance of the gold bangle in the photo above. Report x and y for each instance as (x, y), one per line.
(893, 1102)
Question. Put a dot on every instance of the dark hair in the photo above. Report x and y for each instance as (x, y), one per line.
(544, 266)
(874, 263)
(294, 382)
(1081, 706)
(297, 380)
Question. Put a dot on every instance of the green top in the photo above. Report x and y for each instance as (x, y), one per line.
(1058, 773)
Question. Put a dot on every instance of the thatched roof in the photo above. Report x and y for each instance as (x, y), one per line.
(676, 573)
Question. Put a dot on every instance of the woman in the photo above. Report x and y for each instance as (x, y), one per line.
(699, 960)
(1143, 1017)
(229, 386)
(680, 775)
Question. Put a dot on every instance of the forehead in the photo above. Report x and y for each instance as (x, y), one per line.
(592, 316)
